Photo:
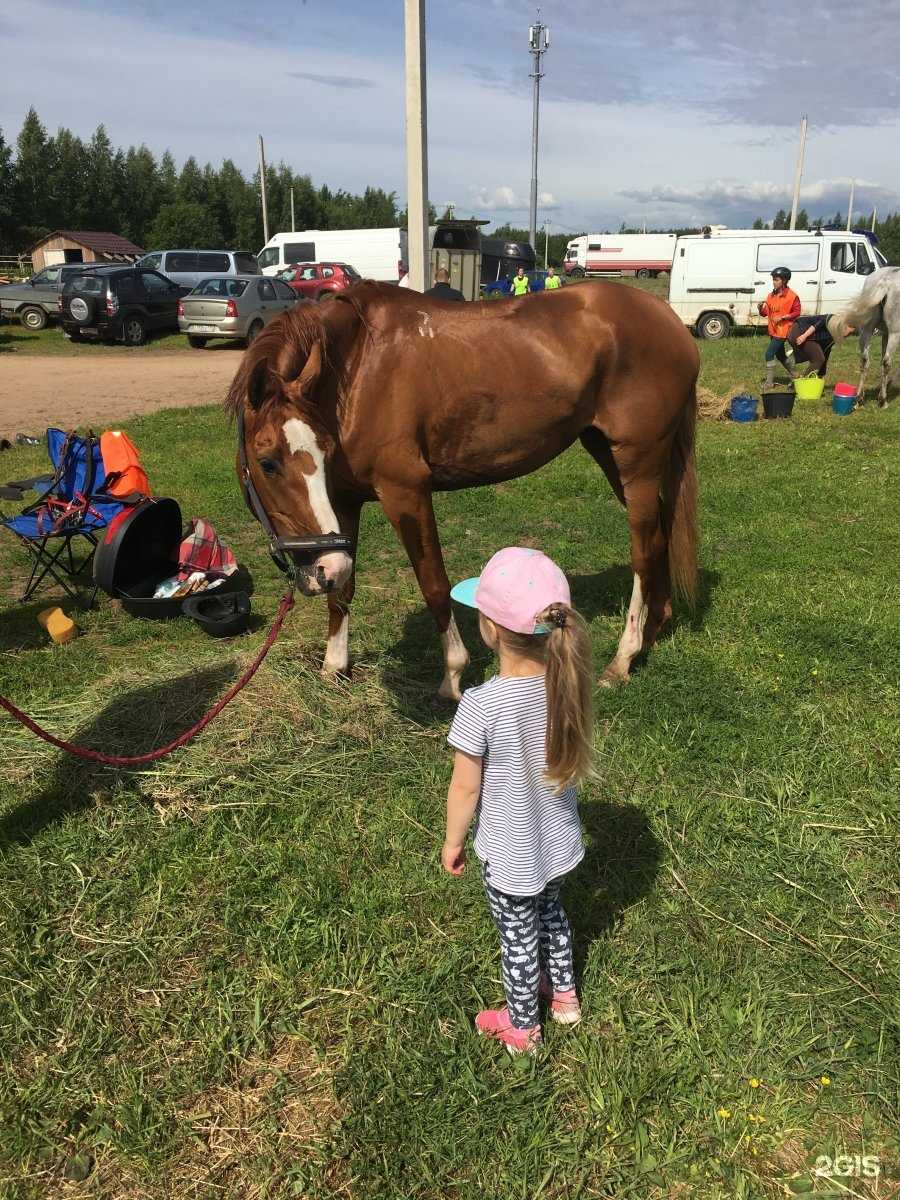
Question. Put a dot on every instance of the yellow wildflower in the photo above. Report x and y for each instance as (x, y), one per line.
(724, 1113)
(825, 1081)
(754, 1082)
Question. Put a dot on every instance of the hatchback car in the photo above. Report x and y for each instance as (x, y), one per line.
(316, 281)
(190, 267)
(233, 306)
(118, 304)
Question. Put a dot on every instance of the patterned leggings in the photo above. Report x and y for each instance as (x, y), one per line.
(534, 934)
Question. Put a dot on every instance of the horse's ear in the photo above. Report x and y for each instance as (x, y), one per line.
(256, 384)
(303, 386)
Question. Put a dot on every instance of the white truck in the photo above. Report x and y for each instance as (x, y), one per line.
(374, 253)
(645, 255)
(718, 281)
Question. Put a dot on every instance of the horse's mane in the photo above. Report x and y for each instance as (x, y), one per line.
(283, 346)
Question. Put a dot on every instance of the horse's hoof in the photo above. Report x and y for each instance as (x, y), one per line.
(612, 677)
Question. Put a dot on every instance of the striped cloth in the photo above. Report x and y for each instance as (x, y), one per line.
(525, 833)
(202, 549)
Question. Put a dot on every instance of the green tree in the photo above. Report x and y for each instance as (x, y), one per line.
(104, 192)
(34, 165)
(168, 179)
(185, 223)
(142, 192)
(781, 220)
(191, 186)
(66, 185)
(802, 219)
(7, 197)
(759, 223)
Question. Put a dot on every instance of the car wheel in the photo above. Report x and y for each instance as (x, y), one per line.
(643, 273)
(33, 318)
(577, 272)
(197, 342)
(134, 332)
(714, 326)
(253, 332)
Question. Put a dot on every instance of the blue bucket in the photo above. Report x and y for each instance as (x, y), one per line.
(843, 405)
(743, 407)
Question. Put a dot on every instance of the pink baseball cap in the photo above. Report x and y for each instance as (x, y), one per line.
(515, 586)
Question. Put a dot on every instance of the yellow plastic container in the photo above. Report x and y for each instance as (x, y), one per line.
(810, 388)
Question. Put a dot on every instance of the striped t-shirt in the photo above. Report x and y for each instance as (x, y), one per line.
(524, 832)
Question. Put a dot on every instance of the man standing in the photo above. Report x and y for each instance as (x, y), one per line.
(782, 307)
(441, 289)
(520, 283)
(553, 281)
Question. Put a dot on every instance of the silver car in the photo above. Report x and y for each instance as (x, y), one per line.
(233, 306)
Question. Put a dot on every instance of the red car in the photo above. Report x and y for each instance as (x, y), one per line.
(317, 280)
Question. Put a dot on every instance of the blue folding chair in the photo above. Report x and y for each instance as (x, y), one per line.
(74, 508)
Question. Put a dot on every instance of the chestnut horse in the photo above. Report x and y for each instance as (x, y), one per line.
(385, 394)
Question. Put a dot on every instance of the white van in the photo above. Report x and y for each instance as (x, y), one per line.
(373, 253)
(718, 281)
(645, 255)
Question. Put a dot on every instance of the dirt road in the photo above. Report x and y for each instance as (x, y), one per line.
(36, 391)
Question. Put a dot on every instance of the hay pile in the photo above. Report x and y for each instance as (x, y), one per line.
(711, 407)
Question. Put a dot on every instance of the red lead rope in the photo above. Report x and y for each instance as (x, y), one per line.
(135, 760)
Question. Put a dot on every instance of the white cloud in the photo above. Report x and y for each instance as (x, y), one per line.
(503, 198)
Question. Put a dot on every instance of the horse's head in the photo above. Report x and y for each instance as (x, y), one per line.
(287, 446)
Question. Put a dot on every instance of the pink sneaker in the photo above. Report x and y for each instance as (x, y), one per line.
(495, 1023)
(564, 1006)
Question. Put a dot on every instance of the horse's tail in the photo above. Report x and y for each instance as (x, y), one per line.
(679, 496)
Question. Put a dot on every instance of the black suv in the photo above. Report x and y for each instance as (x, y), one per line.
(118, 304)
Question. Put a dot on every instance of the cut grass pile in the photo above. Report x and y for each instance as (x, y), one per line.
(240, 973)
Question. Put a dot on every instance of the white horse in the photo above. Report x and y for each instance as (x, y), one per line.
(877, 307)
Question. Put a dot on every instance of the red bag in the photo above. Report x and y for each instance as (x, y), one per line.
(122, 464)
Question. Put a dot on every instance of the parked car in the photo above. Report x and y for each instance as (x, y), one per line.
(233, 306)
(34, 300)
(118, 304)
(503, 287)
(315, 281)
(190, 267)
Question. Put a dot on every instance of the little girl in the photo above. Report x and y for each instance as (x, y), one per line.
(522, 742)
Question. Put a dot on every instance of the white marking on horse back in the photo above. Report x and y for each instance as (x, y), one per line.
(425, 327)
(301, 439)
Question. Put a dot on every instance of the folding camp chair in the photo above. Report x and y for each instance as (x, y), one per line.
(72, 508)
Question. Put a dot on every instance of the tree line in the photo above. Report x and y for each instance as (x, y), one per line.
(63, 182)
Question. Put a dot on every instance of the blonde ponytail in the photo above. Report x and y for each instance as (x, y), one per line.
(570, 695)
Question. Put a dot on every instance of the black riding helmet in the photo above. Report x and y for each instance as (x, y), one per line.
(781, 273)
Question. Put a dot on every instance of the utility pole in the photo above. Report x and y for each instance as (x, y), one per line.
(850, 205)
(262, 190)
(416, 146)
(546, 243)
(874, 215)
(798, 175)
(293, 218)
(538, 43)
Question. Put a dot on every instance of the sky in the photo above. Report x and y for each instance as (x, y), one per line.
(678, 113)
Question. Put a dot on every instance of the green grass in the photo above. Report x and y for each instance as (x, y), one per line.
(16, 339)
(240, 972)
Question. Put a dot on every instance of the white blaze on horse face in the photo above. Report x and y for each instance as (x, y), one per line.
(302, 440)
(455, 658)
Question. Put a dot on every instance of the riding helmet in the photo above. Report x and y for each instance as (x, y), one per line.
(781, 273)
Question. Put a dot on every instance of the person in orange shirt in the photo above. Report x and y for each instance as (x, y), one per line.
(782, 307)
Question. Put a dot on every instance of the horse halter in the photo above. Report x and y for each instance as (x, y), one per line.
(285, 551)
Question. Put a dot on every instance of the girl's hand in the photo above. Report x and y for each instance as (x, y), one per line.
(453, 858)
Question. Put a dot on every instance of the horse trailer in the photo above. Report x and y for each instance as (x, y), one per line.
(718, 281)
